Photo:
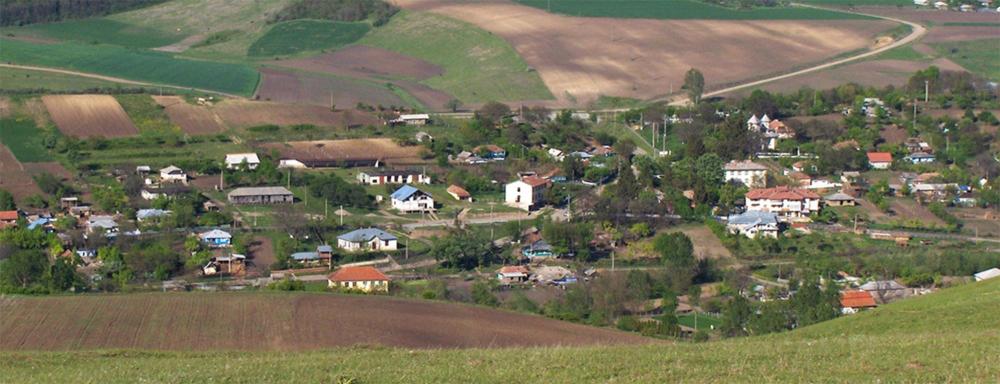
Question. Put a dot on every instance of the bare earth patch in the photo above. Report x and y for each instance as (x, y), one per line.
(582, 58)
(350, 151)
(294, 87)
(182, 45)
(14, 177)
(192, 119)
(89, 115)
(245, 113)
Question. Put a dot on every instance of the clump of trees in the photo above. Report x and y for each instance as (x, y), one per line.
(338, 10)
(809, 304)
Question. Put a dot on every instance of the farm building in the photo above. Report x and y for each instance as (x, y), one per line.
(920, 158)
(168, 191)
(490, 152)
(8, 218)
(216, 238)
(855, 301)
(261, 195)
(364, 279)
(411, 119)
(512, 274)
(322, 256)
(839, 199)
(234, 264)
(150, 214)
(235, 160)
(393, 177)
(539, 248)
(879, 160)
(102, 224)
(410, 199)
(527, 193)
(459, 193)
(787, 203)
(746, 172)
(173, 174)
(753, 224)
(367, 239)
(987, 274)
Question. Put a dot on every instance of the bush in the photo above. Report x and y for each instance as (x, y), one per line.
(287, 284)
(628, 324)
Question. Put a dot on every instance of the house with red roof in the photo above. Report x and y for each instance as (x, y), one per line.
(790, 204)
(856, 301)
(879, 160)
(8, 218)
(527, 193)
(511, 274)
(364, 279)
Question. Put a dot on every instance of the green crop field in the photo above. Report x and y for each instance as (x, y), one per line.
(23, 138)
(148, 66)
(297, 36)
(680, 9)
(17, 79)
(949, 336)
(100, 30)
(859, 2)
(479, 66)
(978, 56)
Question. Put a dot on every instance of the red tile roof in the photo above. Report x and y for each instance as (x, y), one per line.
(458, 191)
(781, 193)
(358, 274)
(879, 157)
(513, 269)
(8, 215)
(857, 299)
(534, 181)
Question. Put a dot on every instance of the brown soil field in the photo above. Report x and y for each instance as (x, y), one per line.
(364, 61)
(583, 58)
(945, 34)
(285, 322)
(894, 134)
(706, 244)
(261, 254)
(350, 151)
(14, 177)
(907, 209)
(89, 115)
(930, 15)
(192, 119)
(979, 219)
(245, 113)
(297, 87)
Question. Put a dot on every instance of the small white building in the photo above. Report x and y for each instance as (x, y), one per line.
(987, 274)
(367, 239)
(879, 160)
(410, 199)
(173, 174)
(527, 193)
(753, 224)
(393, 177)
(363, 279)
(747, 173)
(102, 224)
(789, 204)
(234, 160)
(411, 119)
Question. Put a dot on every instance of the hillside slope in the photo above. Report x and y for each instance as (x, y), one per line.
(950, 336)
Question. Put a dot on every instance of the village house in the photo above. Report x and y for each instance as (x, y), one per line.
(886, 291)
(528, 193)
(234, 264)
(367, 239)
(512, 274)
(8, 218)
(747, 173)
(914, 145)
(216, 238)
(539, 248)
(261, 195)
(411, 119)
(920, 158)
(789, 204)
(409, 199)
(68, 202)
(855, 301)
(381, 177)
(459, 193)
(490, 152)
(143, 215)
(879, 160)
(753, 224)
(872, 105)
(173, 174)
(364, 279)
(839, 199)
(102, 224)
(322, 256)
(168, 191)
(235, 160)
(801, 179)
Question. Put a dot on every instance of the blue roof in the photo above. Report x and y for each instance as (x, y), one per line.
(305, 256)
(324, 248)
(365, 235)
(404, 192)
(39, 222)
(754, 217)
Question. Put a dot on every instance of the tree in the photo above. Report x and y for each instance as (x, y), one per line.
(6, 201)
(735, 317)
(492, 112)
(694, 83)
(22, 269)
(464, 250)
(482, 294)
(453, 105)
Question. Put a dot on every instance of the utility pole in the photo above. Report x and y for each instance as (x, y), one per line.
(927, 90)
(914, 114)
(326, 209)
(612, 261)
(288, 179)
(341, 212)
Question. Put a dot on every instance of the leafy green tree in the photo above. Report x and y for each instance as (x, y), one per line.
(22, 269)
(464, 250)
(482, 294)
(521, 303)
(694, 84)
(62, 275)
(735, 316)
(6, 201)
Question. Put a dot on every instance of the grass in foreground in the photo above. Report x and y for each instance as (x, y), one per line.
(680, 10)
(479, 66)
(944, 337)
(298, 36)
(154, 67)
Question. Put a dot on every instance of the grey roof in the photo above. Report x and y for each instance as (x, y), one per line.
(102, 222)
(259, 191)
(540, 245)
(216, 234)
(324, 249)
(745, 165)
(754, 218)
(882, 285)
(839, 196)
(365, 235)
(305, 256)
(143, 214)
(405, 192)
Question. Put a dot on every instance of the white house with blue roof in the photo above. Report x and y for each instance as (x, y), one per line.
(410, 199)
(367, 239)
(217, 238)
(754, 223)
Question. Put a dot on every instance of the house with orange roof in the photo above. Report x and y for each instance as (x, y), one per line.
(790, 204)
(511, 274)
(879, 160)
(8, 218)
(528, 193)
(364, 279)
(855, 301)
(459, 193)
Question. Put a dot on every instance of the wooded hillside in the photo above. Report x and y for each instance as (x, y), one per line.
(21, 12)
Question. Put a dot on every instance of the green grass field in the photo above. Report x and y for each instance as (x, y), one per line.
(17, 79)
(97, 31)
(145, 113)
(858, 2)
(479, 66)
(979, 56)
(680, 10)
(949, 336)
(23, 138)
(298, 36)
(154, 67)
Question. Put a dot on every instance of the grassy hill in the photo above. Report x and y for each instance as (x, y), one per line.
(945, 337)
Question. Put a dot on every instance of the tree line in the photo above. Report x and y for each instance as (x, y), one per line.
(338, 10)
(23, 12)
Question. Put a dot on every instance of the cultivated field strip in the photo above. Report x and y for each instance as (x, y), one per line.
(89, 115)
(252, 321)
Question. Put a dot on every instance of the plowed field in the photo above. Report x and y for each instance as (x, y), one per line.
(89, 115)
